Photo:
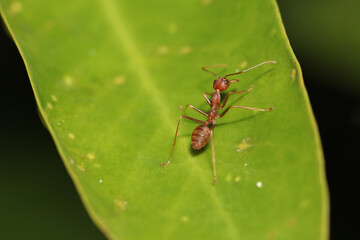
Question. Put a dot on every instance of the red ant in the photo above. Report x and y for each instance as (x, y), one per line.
(201, 133)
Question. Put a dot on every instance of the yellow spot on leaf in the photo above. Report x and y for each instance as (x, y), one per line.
(238, 179)
(184, 218)
(15, 8)
(120, 204)
(185, 50)
(81, 167)
(68, 80)
(293, 73)
(162, 50)
(71, 136)
(49, 106)
(243, 145)
(54, 98)
(119, 80)
(243, 64)
(90, 156)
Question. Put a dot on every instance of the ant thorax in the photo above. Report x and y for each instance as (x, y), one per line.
(215, 99)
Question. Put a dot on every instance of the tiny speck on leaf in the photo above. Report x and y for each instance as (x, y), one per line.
(120, 204)
(54, 98)
(49, 105)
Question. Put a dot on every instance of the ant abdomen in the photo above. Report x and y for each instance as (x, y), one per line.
(200, 136)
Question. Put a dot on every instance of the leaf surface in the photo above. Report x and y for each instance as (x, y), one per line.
(109, 77)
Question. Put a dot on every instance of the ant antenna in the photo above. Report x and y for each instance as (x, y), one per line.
(216, 65)
(250, 68)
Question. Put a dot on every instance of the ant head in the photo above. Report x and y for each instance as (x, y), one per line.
(222, 83)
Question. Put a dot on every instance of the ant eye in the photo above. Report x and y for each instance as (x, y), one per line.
(226, 81)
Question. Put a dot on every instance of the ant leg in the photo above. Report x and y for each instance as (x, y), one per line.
(228, 95)
(258, 109)
(213, 154)
(207, 99)
(177, 129)
(198, 110)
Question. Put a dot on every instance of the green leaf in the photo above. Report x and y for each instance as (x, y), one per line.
(109, 77)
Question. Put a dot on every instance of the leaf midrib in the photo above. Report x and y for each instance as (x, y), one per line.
(136, 60)
(128, 45)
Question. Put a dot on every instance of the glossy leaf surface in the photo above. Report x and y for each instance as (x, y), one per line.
(109, 77)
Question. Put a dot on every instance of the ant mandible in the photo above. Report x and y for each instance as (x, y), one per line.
(201, 133)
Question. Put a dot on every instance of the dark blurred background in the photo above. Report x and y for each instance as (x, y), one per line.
(38, 199)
